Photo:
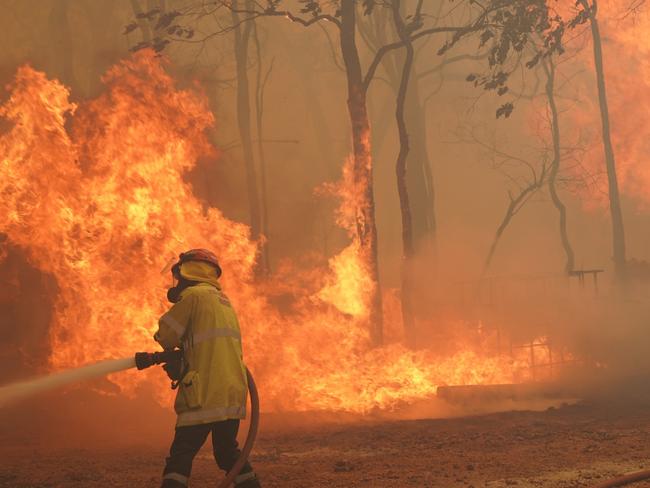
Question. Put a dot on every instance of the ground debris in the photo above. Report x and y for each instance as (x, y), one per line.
(569, 448)
(343, 467)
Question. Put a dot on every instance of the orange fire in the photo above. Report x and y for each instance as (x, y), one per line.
(626, 46)
(95, 195)
(624, 28)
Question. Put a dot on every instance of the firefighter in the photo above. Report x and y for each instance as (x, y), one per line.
(211, 377)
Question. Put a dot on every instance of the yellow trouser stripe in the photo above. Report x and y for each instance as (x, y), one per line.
(245, 477)
(213, 413)
(176, 477)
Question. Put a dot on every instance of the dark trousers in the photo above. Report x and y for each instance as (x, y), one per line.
(189, 440)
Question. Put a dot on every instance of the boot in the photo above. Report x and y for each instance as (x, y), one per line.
(172, 484)
(253, 483)
(248, 480)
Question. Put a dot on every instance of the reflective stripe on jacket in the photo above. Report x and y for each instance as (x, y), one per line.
(204, 323)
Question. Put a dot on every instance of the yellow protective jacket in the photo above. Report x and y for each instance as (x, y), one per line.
(204, 323)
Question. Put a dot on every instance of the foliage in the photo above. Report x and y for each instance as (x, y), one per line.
(510, 26)
(164, 27)
(504, 27)
(311, 7)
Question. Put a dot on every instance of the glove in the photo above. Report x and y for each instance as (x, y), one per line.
(174, 369)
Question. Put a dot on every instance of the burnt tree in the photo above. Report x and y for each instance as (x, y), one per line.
(408, 249)
(548, 66)
(590, 12)
(242, 32)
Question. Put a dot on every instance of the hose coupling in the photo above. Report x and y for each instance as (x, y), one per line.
(144, 360)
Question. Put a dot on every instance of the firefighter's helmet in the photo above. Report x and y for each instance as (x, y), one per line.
(197, 255)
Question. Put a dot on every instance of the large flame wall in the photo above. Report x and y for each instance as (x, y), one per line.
(95, 195)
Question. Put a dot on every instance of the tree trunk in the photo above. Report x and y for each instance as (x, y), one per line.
(259, 113)
(242, 35)
(142, 22)
(420, 177)
(363, 174)
(549, 69)
(408, 250)
(618, 233)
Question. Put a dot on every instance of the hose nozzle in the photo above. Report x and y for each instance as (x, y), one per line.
(144, 360)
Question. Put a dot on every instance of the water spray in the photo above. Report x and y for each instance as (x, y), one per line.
(141, 360)
(23, 389)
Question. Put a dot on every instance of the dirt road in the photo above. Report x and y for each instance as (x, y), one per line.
(572, 446)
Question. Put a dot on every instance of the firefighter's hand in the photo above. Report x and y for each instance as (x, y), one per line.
(173, 370)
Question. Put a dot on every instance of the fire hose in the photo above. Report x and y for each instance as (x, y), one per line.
(624, 480)
(144, 360)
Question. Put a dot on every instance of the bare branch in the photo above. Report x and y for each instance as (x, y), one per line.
(476, 25)
(270, 12)
(440, 66)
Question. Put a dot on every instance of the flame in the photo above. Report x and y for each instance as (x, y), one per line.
(95, 196)
(624, 32)
(349, 286)
(626, 46)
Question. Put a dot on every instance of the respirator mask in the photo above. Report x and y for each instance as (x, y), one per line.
(178, 284)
